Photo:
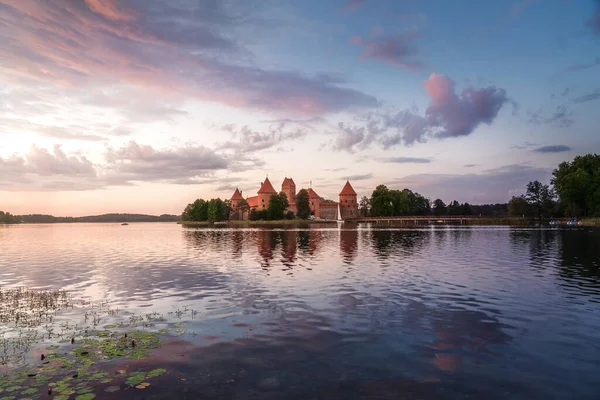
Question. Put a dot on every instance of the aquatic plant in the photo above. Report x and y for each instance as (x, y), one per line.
(73, 358)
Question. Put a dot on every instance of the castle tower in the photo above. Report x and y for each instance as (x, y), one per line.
(264, 194)
(235, 199)
(348, 202)
(314, 201)
(289, 188)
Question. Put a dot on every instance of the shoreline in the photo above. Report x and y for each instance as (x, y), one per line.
(498, 221)
(291, 222)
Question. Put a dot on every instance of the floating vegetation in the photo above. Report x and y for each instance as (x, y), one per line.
(47, 354)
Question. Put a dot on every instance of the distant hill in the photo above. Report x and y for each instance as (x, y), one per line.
(50, 219)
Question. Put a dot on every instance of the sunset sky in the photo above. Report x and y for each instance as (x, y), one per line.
(145, 105)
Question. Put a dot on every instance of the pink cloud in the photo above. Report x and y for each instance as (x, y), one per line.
(459, 115)
(354, 3)
(448, 115)
(178, 49)
(109, 9)
(398, 50)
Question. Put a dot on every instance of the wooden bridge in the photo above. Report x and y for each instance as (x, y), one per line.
(442, 219)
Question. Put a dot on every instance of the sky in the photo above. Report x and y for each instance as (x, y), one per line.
(143, 106)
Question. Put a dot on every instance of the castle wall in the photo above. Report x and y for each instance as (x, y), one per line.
(329, 211)
(348, 206)
(315, 207)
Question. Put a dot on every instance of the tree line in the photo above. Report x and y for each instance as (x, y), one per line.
(574, 191)
(113, 217)
(385, 202)
(8, 218)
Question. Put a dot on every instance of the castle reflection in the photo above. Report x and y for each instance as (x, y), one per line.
(349, 244)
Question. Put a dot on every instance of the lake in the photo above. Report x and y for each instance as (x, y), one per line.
(350, 312)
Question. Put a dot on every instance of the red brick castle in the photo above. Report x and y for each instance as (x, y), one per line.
(347, 205)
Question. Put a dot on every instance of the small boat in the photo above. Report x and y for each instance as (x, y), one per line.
(124, 223)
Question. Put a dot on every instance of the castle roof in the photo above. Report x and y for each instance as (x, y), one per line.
(266, 188)
(237, 195)
(288, 181)
(348, 190)
(252, 201)
(312, 194)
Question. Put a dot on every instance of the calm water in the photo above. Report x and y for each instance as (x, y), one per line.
(450, 313)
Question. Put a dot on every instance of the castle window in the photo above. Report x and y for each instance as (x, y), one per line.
(263, 200)
(345, 201)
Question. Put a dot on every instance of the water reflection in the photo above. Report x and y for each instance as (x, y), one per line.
(576, 251)
(349, 244)
(471, 312)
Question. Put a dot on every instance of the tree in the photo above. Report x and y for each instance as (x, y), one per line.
(243, 207)
(225, 210)
(216, 210)
(455, 208)
(541, 199)
(253, 215)
(8, 218)
(364, 206)
(439, 207)
(196, 211)
(381, 202)
(518, 207)
(284, 200)
(467, 209)
(577, 185)
(302, 204)
(277, 206)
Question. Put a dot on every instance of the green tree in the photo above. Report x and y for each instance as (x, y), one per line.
(196, 211)
(225, 210)
(216, 210)
(420, 205)
(302, 204)
(277, 205)
(381, 202)
(364, 206)
(284, 200)
(455, 208)
(253, 215)
(439, 207)
(577, 184)
(467, 209)
(8, 218)
(518, 207)
(540, 198)
(243, 207)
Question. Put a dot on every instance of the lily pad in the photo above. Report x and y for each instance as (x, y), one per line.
(112, 389)
(135, 378)
(87, 396)
(156, 372)
(142, 385)
(29, 391)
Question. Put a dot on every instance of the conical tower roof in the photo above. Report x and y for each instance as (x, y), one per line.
(267, 188)
(237, 195)
(348, 190)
